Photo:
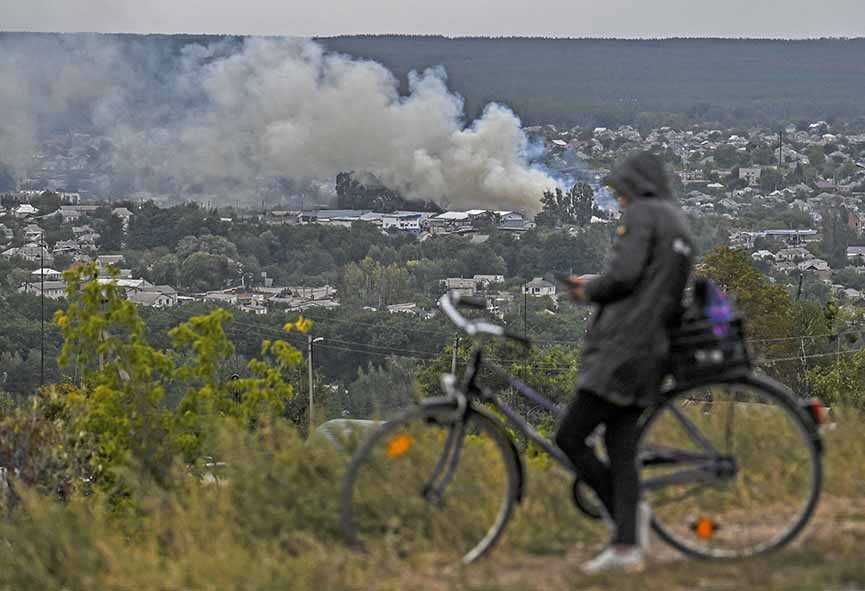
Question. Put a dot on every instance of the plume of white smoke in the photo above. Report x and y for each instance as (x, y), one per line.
(287, 108)
(226, 117)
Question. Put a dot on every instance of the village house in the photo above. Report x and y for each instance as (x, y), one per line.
(461, 286)
(126, 284)
(53, 290)
(539, 287)
(157, 296)
(66, 247)
(71, 213)
(405, 221)
(794, 255)
(281, 217)
(817, 267)
(407, 308)
(47, 273)
(104, 261)
(33, 233)
(763, 255)
(300, 298)
(24, 210)
(856, 253)
(78, 231)
(449, 221)
(30, 252)
(486, 281)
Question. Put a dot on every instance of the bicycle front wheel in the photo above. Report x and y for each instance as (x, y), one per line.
(431, 484)
(730, 469)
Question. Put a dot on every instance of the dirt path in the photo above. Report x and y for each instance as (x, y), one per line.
(829, 554)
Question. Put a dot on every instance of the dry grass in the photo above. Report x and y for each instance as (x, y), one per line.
(270, 523)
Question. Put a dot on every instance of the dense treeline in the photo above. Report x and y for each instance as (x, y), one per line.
(602, 81)
(643, 82)
(193, 249)
(191, 245)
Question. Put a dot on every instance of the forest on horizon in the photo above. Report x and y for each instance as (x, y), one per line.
(612, 82)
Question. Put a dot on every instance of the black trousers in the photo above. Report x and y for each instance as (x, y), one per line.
(617, 483)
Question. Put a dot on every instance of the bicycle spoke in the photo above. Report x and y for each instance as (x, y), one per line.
(696, 489)
(420, 487)
(753, 497)
(729, 428)
(692, 430)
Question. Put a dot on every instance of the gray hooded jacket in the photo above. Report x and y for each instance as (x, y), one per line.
(639, 293)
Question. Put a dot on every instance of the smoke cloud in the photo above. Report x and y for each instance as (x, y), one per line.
(224, 118)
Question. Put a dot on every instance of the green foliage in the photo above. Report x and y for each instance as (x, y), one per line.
(841, 383)
(203, 271)
(119, 402)
(47, 202)
(370, 283)
(379, 389)
(574, 207)
(836, 236)
(767, 307)
(369, 193)
(118, 410)
(165, 270)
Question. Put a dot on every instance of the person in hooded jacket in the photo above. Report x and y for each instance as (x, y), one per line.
(638, 299)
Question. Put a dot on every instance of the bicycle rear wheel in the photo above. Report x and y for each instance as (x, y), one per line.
(427, 484)
(730, 469)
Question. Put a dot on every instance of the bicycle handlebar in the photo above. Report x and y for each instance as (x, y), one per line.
(449, 302)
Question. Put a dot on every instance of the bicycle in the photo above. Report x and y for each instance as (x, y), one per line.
(446, 475)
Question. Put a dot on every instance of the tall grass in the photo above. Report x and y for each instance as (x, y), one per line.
(268, 520)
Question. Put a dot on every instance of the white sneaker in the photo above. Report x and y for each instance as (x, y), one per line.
(629, 560)
(644, 525)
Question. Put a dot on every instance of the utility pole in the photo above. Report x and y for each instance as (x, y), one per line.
(454, 355)
(525, 306)
(42, 304)
(309, 343)
(780, 149)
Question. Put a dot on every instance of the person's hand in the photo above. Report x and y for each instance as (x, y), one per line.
(576, 287)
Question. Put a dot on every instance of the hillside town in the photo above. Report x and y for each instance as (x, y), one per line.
(775, 193)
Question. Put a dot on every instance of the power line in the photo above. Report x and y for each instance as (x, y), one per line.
(813, 355)
(383, 351)
(381, 348)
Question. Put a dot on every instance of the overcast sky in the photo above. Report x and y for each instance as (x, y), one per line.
(560, 18)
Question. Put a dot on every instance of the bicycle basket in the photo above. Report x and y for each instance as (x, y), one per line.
(702, 349)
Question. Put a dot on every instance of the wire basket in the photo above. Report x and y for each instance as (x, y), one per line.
(702, 350)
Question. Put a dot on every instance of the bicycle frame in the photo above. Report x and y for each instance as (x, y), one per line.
(704, 468)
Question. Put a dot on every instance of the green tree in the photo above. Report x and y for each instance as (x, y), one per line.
(842, 382)
(118, 411)
(771, 179)
(202, 271)
(370, 283)
(725, 156)
(118, 407)
(573, 207)
(767, 306)
(836, 235)
(816, 157)
(47, 202)
(165, 270)
(111, 234)
(379, 390)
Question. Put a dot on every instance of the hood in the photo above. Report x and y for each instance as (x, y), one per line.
(641, 175)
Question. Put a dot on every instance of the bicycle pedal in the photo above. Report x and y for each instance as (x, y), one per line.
(432, 495)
